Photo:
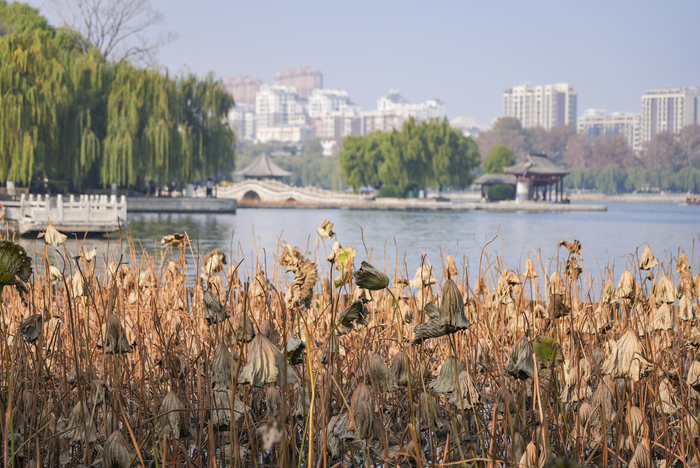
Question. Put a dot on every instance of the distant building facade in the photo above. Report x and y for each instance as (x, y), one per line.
(278, 105)
(393, 110)
(244, 121)
(596, 122)
(304, 79)
(243, 88)
(542, 106)
(668, 110)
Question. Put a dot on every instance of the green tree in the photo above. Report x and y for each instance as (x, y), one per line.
(688, 179)
(610, 179)
(454, 156)
(499, 157)
(637, 179)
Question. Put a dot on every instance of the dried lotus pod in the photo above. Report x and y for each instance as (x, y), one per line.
(449, 376)
(362, 412)
(574, 247)
(174, 240)
(572, 269)
(648, 261)
(379, 375)
(466, 395)
(400, 367)
(627, 358)
(173, 418)
(521, 365)
(428, 414)
(451, 318)
(116, 453)
(369, 277)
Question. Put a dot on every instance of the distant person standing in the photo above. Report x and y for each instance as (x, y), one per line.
(210, 187)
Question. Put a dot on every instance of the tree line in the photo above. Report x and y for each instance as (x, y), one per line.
(605, 162)
(429, 154)
(77, 120)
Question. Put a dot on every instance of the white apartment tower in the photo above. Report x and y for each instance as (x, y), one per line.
(276, 105)
(595, 122)
(668, 110)
(542, 106)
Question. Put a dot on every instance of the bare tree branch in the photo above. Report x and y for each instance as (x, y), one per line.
(117, 28)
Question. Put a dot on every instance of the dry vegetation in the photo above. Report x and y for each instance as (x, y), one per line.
(113, 364)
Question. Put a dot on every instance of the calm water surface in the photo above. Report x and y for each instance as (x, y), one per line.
(607, 237)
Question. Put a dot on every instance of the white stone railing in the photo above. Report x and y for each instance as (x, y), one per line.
(86, 209)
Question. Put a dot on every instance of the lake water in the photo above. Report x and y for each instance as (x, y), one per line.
(607, 237)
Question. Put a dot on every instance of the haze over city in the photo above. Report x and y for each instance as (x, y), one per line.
(465, 54)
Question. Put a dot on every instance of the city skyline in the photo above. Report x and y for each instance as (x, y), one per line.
(464, 55)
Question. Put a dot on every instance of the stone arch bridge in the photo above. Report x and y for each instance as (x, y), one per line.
(275, 194)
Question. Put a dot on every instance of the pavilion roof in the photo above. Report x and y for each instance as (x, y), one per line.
(262, 167)
(536, 164)
(492, 179)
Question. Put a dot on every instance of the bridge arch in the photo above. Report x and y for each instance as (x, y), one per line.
(251, 196)
(290, 201)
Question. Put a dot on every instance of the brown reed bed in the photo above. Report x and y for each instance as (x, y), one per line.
(191, 359)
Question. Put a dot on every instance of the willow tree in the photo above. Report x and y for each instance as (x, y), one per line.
(34, 92)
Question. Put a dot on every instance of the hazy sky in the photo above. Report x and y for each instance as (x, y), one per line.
(464, 53)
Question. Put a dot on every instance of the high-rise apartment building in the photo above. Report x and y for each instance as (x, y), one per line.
(393, 110)
(243, 88)
(668, 110)
(323, 102)
(304, 79)
(243, 119)
(596, 122)
(541, 106)
(277, 105)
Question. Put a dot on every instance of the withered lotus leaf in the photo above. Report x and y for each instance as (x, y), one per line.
(423, 277)
(81, 428)
(428, 414)
(483, 356)
(301, 291)
(465, 396)
(325, 230)
(662, 319)
(449, 375)
(521, 365)
(648, 261)
(503, 395)
(608, 292)
(295, 350)
(641, 457)
(221, 365)
(451, 318)
(379, 375)
(214, 261)
(273, 399)
(687, 309)
(627, 358)
(573, 269)
(451, 267)
(399, 367)
(221, 413)
(557, 308)
(504, 291)
(53, 237)
(530, 271)
(693, 379)
(626, 288)
(173, 418)
(665, 291)
(116, 453)
(261, 368)
(667, 397)
(115, 337)
(691, 426)
(214, 311)
(356, 313)
(556, 284)
(31, 328)
(362, 413)
(369, 277)
(682, 263)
